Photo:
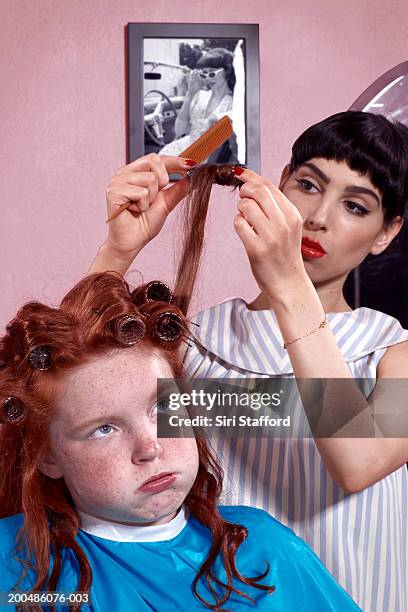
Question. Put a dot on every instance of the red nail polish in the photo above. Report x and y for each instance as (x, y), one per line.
(190, 162)
(237, 170)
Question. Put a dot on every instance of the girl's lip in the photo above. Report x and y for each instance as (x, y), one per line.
(158, 483)
(312, 248)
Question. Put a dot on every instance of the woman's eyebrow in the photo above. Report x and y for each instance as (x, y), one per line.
(370, 192)
(317, 171)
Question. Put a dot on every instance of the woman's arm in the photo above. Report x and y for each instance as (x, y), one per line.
(108, 258)
(354, 462)
(143, 183)
(182, 124)
(270, 228)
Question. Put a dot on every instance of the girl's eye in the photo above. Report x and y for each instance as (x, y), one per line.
(102, 431)
(306, 185)
(356, 209)
(161, 406)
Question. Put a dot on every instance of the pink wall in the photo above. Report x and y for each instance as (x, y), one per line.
(62, 108)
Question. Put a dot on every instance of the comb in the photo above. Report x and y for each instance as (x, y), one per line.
(202, 148)
(209, 141)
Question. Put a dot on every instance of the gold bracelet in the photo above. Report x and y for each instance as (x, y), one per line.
(322, 324)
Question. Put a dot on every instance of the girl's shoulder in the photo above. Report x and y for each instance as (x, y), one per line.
(290, 562)
(258, 522)
(12, 562)
(9, 529)
(268, 538)
(10, 566)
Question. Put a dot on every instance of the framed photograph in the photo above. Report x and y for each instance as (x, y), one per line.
(182, 78)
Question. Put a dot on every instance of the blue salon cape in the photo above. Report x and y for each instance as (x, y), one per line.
(146, 576)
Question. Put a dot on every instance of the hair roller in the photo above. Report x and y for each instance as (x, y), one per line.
(168, 327)
(13, 411)
(40, 358)
(165, 325)
(155, 291)
(128, 329)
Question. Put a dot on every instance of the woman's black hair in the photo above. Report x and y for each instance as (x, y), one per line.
(370, 144)
(219, 58)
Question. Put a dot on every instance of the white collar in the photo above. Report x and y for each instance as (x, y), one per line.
(129, 533)
(250, 340)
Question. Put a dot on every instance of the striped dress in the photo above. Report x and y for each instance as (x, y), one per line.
(361, 538)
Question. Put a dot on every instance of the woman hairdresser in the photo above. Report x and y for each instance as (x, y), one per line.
(342, 197)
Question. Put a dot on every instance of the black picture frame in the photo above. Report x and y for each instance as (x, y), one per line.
(138, 32)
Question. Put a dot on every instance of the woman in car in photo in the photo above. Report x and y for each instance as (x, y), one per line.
(208, 98)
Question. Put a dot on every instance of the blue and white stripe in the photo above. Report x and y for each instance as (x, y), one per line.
(361, 538)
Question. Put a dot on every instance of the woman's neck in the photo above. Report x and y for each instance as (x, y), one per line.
(219, 91)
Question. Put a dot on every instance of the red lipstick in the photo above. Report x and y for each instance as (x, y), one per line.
(158, 483)
(312, 248)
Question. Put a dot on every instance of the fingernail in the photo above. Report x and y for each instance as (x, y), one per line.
(237, 170)
(190, 162)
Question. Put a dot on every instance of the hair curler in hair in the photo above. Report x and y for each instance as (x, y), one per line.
(152, 292)
(13, 411)
(168, 326)
(128, 329)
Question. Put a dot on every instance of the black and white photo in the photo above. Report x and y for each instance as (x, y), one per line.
(188, 83)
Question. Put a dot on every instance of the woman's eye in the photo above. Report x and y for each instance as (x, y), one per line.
(102, 431)
(306, 185)
(356, 209)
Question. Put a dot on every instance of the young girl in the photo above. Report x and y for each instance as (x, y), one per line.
(92, 501)
(341, 197)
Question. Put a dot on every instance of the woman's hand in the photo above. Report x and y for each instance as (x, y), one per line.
(142, 183)
(270, 228)
(195, 83)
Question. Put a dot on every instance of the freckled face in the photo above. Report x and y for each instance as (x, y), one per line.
(105, 462)
(341, 209)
